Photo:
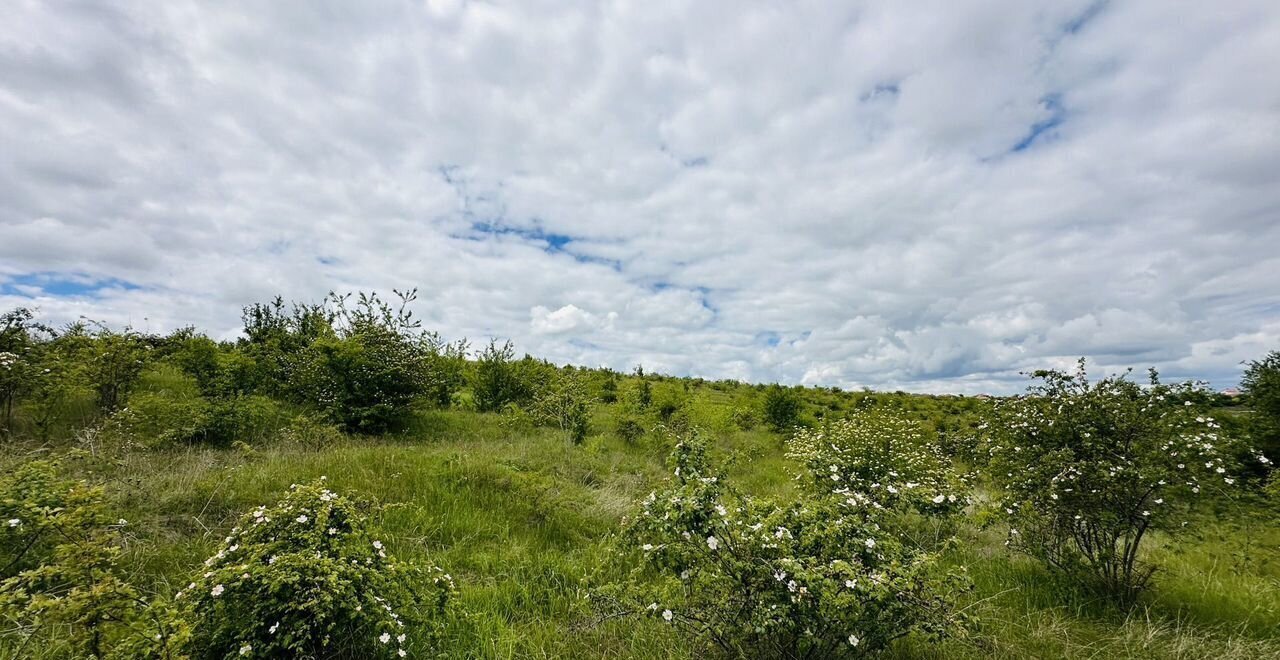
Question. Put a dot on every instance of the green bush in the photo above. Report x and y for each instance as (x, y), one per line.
(563, 405)
(748, 578)
(59, 554)
(307, 578)
(500, 379)
(245, 418)
(1090, 469)
(781, 408)
(166, 409)
(628, 429)
(310, 432)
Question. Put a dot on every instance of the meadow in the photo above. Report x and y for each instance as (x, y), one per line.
(520, 480)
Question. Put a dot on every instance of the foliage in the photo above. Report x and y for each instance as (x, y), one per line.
(1089, 470)
(306, 578)
(1261, 384)
(59, 552)
(628, 428)
(880, 457)
(563, 405)
(817, 578)
(498, 378)
(781, 408)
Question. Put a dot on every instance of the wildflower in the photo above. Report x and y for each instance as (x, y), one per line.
(15, 522)
(647, 547)
(377, 545)
(849, 584)
(122, 522)
(853, 640)
(401, 653)
(302, 518)
(712, 542)
(245, 649)
(274, 628)
(385, 638)
(870, 543)
(400, 638)
(332, 531)
(939, 499)
(216, 591)
(667, 615)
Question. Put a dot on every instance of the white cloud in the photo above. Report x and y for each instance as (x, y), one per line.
(818, 192)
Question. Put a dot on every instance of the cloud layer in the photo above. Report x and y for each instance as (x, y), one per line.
(927, 196)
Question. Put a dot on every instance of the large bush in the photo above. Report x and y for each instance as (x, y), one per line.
(781, 408)
(1089, 470)
(307, 578)
(1261, 384)
(818, 578)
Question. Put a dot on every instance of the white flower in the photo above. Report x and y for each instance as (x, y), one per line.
(332, 531)
(274, 628)
(385, 638)
(401, 653)
(849, 584)
(1160, 500)
(666, 615)
(647, 547)
(712, 542)
(245, 649)
(721, 510)
(853, 640)
(870, 543)
(400, 638)
(122, 522)
(216, 591)
(303, 518)
(939, 499)
(14, 522)
(377, 545)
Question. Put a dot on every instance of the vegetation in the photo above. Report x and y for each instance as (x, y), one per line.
(150, 505)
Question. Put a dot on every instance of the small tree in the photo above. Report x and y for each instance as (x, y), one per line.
(781, 408)
(499, 379)
(1090, 469)
(1261, 384)
(59, 552)
(563, 405)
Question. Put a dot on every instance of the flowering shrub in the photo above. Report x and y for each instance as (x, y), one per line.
(882, 460)
(1088, 470)
(817, 578)
(562, 404)
(305, 578)
(58, 552)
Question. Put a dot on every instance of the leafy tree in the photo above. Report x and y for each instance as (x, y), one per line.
(1089, 470)
(499, 379)
(781, 408)
(563, 405)
(1261, 384)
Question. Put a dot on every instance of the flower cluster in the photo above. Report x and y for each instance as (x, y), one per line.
(880, 460)
(306, 578)
(757, 579)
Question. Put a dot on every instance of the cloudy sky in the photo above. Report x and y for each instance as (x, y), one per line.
(928, 196)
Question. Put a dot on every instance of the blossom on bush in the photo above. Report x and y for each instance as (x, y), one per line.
(305, 578)
(880, 460)
(755, 579)
(1088, 470)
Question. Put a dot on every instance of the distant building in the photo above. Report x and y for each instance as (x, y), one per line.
(1232, 392)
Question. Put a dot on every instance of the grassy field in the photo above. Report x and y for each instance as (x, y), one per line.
(524, 521)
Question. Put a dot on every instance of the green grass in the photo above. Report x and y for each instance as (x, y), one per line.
(524, 521)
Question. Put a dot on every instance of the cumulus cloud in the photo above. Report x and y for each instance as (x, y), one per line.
(927, 197)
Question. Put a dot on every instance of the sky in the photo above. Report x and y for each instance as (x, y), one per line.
(927, 196)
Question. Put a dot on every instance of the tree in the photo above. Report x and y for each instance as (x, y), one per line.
(1261, 384)
(1089, 470)
(781, 408)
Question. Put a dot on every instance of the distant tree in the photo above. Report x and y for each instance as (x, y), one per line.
(1261, 385)
(781, 408)
(497, 378)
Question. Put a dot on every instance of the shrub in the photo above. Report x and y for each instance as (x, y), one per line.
(817, 578)
(305, 578)
(629, 429)
(781, 408)
(744, 417)
(310, 432)
(245, 418)
(497, 379)
(881, 457)
(59, 551)
(563, 405)
(1088, 470)
(166, 409)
